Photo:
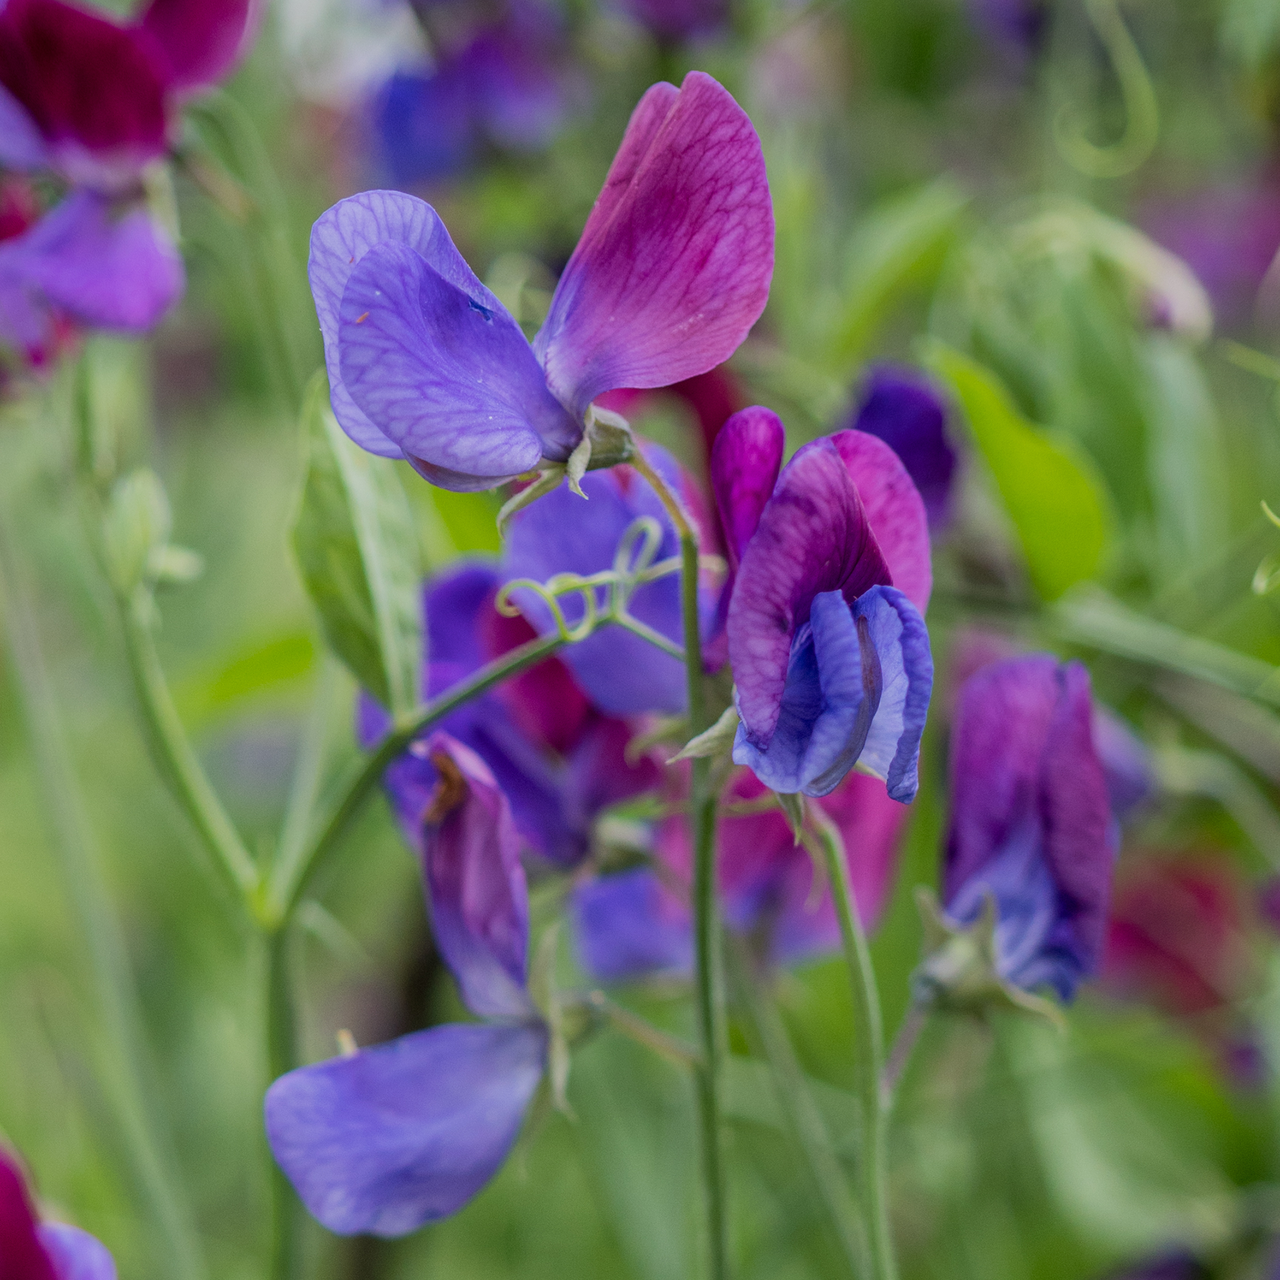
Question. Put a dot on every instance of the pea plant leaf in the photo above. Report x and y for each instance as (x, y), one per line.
(358, 552)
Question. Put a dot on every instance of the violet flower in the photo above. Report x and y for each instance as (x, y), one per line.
(636, 923)
(672, 20)
(35, 1250)
(671, 272)
(401, 1134)
(831, 568)
(622, 673)
(556, 756)
(1031, 821)
(907, 411)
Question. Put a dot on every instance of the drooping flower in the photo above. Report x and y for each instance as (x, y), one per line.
(637, 922)
(556, 756)
(397, 1135)
(671, 272)
(622, 673)
(830, 557)
(35, 1250)
(907, 411)
(1031, 823)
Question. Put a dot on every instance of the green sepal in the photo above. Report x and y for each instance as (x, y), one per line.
(718, 740)
(792, 804)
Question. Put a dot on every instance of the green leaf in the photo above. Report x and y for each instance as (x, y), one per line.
(357, 549)
(1048, 488)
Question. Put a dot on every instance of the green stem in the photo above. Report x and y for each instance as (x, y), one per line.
(282, 1056)
(868, 1052)
(297, 868)
(800, 1112)
(153, 1166)
(900, 1052)
(702, 821)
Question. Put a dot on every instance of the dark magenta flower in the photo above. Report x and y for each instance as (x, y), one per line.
(622, 673)
(401, 1134)
(830, 557)
(907, 411)
(556, 756)
(637, 922)
(1031, 821)
(671, 272)
(34, 1250)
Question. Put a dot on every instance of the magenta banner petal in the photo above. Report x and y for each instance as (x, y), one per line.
(448, 379)
(476, 885)
(202, 40)
(76, 1254)
(745, 461)
(813, 536)
(895, 509)
(675, 264)
(22, 1253)
(107, 268)
(95, 90)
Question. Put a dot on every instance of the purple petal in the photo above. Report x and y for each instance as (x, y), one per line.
(894, 510)
(96, 91)
(892, 747)
(405, 1133)
(813, 537)
(76, 1254)
(674, 264)
(679, 19)
(559, 533)
(426, 124)
(629, 926)
(449, 379)
(21, 1251)
(108, 269)
(745, 460)
(905, 410)
(25, 320)
(202, 40)
(21, 145)
(600, 774)
(1126, 762)
(475, 883)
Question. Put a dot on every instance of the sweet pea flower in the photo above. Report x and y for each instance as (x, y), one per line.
(907, 411)
(1031, 823)
(388, 1138)
(672, 20)
(830, 556)
(671, 272)
(556, 756)
(637, 922)
(35, 1250)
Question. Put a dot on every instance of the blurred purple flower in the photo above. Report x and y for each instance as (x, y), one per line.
(679, 19)
(831, 660)
(401, 1134)
(908, 412)
(1178, 1264)
(1020, 26)
(556, 756)
(1031, 821)
(637, 923)
(671, 272)
(34, 1250)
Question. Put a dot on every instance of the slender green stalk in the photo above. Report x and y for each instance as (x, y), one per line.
(308, 771)
(868, 1053)
(900, 1052)
(702, 820)
(282, 1056)
(142, 1132)
(800, 1112)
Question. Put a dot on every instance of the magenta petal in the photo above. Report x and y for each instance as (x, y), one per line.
(107, 269)
(76, 1254)
(202, 40)
(744, 468)
(475, 883)
(813, 536)
(404, 1133)
(673, 267)
(95, 90)
(21, 1252)
(895, 509)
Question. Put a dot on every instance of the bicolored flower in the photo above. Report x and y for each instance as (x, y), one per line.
(671, 272)
(556, 756)
(622, 673)
(907, 411)
(401, 1134)
(1031, 824)
(636, 923)
(35, 1250)
(830, 557)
